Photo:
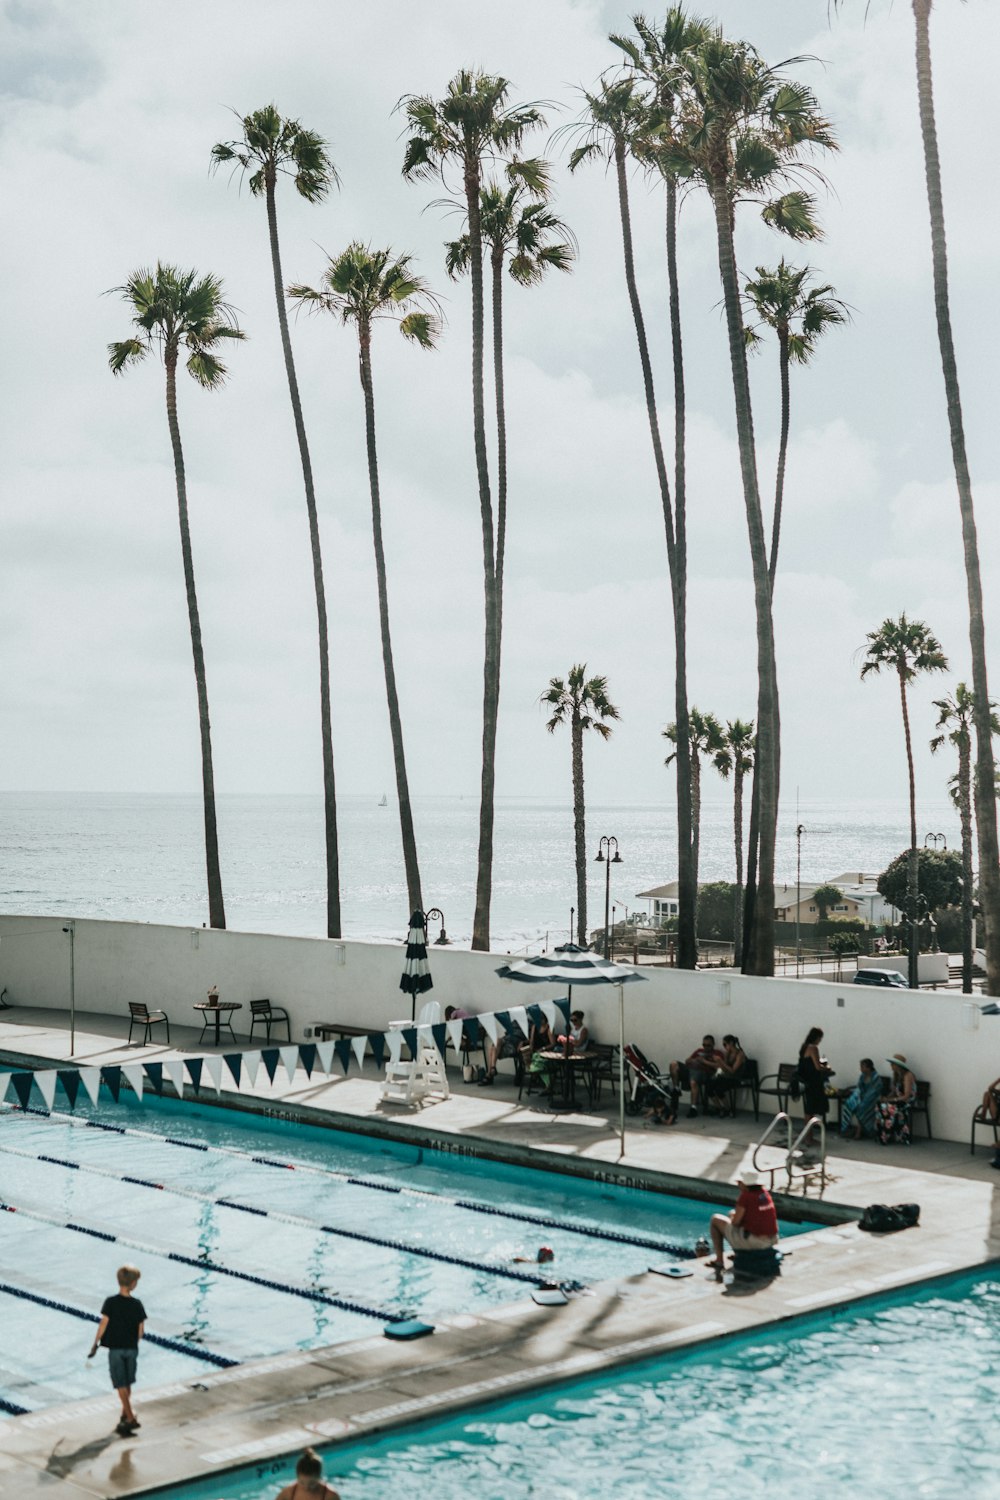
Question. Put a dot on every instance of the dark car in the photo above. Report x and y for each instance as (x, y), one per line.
(887, 978)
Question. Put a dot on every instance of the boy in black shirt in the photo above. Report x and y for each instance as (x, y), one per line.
(123, 1319)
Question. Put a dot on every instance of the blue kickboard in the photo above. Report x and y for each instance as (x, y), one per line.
(408, 1328)
(547, 1296)
(675, 1272)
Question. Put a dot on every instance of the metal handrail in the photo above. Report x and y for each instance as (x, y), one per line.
(809, 1172)
(779, 1117)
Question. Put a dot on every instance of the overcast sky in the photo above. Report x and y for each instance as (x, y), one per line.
(110, 109)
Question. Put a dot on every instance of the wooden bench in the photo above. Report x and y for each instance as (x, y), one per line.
(325, 1031)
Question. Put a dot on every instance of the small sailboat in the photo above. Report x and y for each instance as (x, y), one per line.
(385, 801)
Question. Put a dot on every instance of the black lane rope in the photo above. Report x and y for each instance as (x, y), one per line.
(12, 1409)
(159, 1339)
(538, 1221)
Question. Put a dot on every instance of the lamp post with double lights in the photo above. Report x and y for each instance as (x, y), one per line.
(607, 855)
(800, 830)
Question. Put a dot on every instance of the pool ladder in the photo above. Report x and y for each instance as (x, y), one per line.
(810, 1173)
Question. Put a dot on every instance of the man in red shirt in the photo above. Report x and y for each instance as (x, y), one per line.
(753, 1223)
(695, 1071)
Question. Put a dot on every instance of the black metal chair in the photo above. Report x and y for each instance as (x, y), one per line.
(263, 1013)
(603, 1068)
(141, 1015)
(777, 1085)
(986, 1117)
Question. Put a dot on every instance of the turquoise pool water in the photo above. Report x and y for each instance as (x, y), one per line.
(319, 1238)
(898, 1400)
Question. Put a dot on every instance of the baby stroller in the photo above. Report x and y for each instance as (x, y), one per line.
(645, 1086)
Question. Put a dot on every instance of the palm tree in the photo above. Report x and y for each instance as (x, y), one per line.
(744, 128)
(705, 737)
(907, 648)
(615, 119)
(826, 896)
(519, 228)
(174, 310)
(800, 314)
(362, 286)
(735, 758)
(986, 770)
(956, 716)
(474, 123)
(583, 704)
(271, 147)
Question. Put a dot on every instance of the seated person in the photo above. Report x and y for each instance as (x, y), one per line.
(511, 1044)
(857, 1117)
(575, 1039)
(893, 1110)
(753, 1223)
(991, 1101)
(726, 1077)
(696, 1070)
(664, 1110)
(539, 1041)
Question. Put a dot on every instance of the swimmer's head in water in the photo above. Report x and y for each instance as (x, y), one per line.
(545, 1254)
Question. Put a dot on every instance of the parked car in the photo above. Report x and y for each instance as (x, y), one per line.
(888, 978)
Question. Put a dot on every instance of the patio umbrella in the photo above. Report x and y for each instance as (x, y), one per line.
(416, 978)
(570, 965)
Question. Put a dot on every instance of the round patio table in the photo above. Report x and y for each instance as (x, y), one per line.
(222, 1014)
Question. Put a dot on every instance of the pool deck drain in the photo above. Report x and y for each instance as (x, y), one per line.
(267, 1409)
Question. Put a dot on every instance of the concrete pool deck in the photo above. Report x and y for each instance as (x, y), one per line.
(269, 1408)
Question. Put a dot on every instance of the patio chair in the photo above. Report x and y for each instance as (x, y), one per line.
(777, 1085)
(140, 1015)
(981, 1116)
(603, 1068)
(263, 1013)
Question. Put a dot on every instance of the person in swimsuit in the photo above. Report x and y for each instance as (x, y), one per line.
(308, 1480)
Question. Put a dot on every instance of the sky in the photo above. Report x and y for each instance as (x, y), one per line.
(109, 113)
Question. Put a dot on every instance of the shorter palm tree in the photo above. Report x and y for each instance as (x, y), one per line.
(907, 648)
(705, 738)
(735, 758)
(175, 311)
(362, 286)
(826, 896)
(582, 702)
(956, 718)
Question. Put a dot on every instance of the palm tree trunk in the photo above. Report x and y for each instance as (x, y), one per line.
(913, 863)
(695, 825)
(333, 924)
(392, 697)
(579, 830)
(216, 908)
(984, 781)
(687, 951)
(491, 653)
(738, 838)
(687, 880)
(779, 486)
(750, 888)
(501, 410)
(760, 958)
(965, 812)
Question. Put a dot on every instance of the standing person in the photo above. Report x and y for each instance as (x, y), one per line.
(308, 1480)
(858, 1111)
(813, 1074)
(123, 1322)
(752, 1225)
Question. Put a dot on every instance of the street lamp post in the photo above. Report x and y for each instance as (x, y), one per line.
(71, 929)
(442, 940)
(800, 830)
(931, 841)
(607, 855)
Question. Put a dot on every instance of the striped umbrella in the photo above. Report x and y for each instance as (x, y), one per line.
(570, 965)
(416, 978)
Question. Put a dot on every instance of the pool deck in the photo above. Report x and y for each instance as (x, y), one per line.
(266, 1409)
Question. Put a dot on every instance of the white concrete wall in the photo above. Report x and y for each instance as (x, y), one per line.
(942, 1033)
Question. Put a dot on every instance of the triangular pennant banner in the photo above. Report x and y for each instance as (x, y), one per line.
(548, 1009)
(307, 1057)
(439, 1034)
(154, 1072)
(46, 1081)
(409, 1035)
(472, 1030)
(133, 1072)
(563, 1006)
(175, 1072)
(112, 1076)
(269, 1057)
(4, 1083)
(251, 1067)
(376, 1040)
(91, 1080)
(70, 1080)
(502, 1018)
(454, 1030)
(213, 1067)
(519, 1018)
(289, 1061)
(342, 1049)
(490, 1026)
(394, 1041)
(358, 1045)
(234, 1062)
(324, 1056)
(535, 1014)
(22, 1087)
(194, 1067)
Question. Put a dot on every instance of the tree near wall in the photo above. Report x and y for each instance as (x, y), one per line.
(939, 884)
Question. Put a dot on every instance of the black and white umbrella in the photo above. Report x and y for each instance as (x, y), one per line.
(416, 978)
(570, 965)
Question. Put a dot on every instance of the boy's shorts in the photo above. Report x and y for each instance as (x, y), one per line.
(121, 1365)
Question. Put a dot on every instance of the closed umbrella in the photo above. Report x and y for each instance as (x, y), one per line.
(570, 965)
(416, 977)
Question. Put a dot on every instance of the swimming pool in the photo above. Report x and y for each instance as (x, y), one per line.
(257, 1236)
(897, 1398)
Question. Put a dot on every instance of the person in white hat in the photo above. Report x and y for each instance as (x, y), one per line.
(753, 1223)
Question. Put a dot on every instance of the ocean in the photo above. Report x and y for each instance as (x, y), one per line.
(140, 858)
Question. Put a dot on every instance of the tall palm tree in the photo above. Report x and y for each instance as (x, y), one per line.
(520, 232)
(744, 129)
(956, 716)
(362, 286)
(735, 758)
(473, 124)
(907, 648)
(615, 119)
(177, 311)
(800, 314)
(582, 702)
(705, 738)
(986, 769)
(273, 147)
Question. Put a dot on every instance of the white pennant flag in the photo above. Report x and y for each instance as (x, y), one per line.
(289, 1060)
(324, 1055)
(175, 1072)
(358, 1045)
(4, 1085)
(549, 1011)
(46, 1081)
(91, 1080)
(454, 1030)
(490, 1026)
(213, 1067)
(251, 1067)
(519, 1016)
(133, 1072)
(394, 1042)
